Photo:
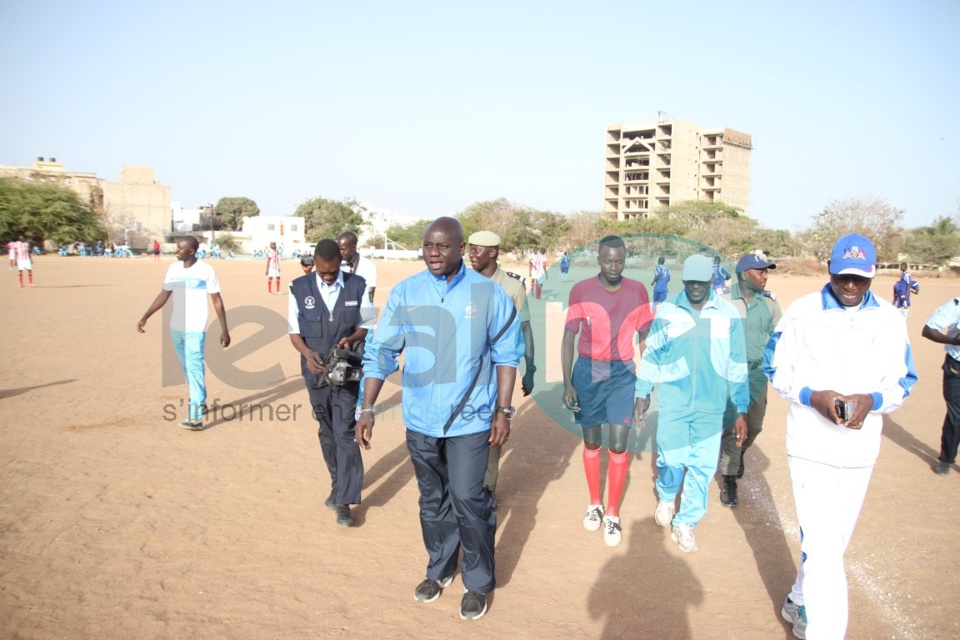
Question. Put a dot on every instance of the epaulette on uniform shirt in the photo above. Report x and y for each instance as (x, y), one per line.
(515, 276)
(769, 294)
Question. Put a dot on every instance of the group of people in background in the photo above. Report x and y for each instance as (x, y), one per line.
(840, 356)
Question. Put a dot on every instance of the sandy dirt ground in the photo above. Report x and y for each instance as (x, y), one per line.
(115, 523)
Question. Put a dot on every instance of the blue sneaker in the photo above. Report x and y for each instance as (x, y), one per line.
(796, 614)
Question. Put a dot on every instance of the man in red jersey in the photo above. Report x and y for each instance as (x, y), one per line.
(607, 311)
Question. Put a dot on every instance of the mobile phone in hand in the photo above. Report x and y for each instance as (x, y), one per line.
(845, 410)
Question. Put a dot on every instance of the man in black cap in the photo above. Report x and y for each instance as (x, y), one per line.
(761, 313)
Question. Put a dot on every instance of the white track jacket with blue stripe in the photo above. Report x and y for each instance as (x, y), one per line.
(820, 345)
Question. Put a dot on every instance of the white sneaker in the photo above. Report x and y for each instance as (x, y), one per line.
(594, 517)
(664, 513)
(796, 614)
(611, 530)
(683, 535)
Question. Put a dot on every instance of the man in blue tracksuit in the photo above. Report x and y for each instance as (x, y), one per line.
(461, 337)
(696, 350)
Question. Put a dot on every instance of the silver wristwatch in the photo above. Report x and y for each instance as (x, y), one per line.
(507, 411)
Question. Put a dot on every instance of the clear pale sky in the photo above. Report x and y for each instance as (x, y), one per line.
(427, 107)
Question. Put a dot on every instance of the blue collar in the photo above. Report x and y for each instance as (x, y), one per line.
(441, 280)
(321, 285)
(830, 301)
(712, 302)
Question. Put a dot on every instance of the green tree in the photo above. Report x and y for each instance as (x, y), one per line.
(518, 226)
(935, 244)
(409, 236)
(715, 224)
(232, 211)
(872, 218)
(325, 218)
(227, 242)
(775, 242)
(583, 228)
(43, 210)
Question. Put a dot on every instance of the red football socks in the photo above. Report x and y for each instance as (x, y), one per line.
(591, 466)
(616, 478)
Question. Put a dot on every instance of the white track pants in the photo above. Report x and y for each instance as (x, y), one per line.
(828, 501)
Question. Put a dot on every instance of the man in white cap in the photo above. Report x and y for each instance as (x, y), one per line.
(484, 251)
(760, 313)
(696, 351)
(841, 357)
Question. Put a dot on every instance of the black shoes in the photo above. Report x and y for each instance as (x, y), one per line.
(942, 468)
(728, 491)
(344, 519)
(429, 590)
(493, 497)
(473, 605)
(331, 501)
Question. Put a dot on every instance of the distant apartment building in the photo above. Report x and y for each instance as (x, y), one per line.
(653, 164)
(86, 185)
(136, 203)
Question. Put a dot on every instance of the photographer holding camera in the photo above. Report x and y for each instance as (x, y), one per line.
(328, 314)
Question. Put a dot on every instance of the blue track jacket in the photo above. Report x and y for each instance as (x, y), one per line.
(698, 361)
(448, 333)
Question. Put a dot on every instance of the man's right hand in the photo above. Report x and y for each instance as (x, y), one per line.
(570, 399)
(314, 362)
(824, 403)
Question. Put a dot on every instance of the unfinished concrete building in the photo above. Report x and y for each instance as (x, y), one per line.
(653, 164)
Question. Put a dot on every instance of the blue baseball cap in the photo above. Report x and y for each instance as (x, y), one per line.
(853, 255)
(753, 261)
(697, 268)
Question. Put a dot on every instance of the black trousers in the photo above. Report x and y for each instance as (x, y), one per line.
(334, 408)
(950, 436)
(455, 510)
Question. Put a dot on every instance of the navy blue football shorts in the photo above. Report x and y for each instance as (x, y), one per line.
(605, 390)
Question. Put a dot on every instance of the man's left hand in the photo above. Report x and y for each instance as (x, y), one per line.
(499, 429)
(225, 339)
(740, 428)
(864, 405)
(526, 383)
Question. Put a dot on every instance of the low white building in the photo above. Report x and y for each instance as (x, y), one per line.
(185, 221)
(257, 232)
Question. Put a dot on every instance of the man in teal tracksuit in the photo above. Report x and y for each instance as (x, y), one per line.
(696, 351)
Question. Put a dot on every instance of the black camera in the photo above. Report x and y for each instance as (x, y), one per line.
(343, 366)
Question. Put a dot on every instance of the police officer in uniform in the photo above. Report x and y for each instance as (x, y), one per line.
(760, 313)
(484, 251)
(328, 308)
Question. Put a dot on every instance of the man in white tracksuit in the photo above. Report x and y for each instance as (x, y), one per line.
(842, 357)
